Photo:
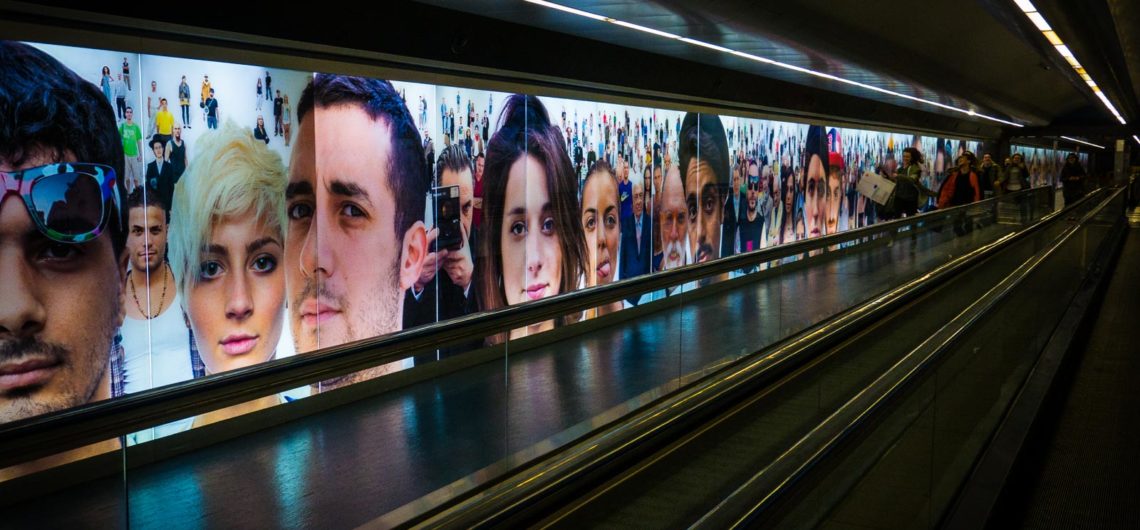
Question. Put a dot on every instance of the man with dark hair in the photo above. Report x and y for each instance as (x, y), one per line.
(990, 173)
(278, 105)
(625, 190)
(730, 228)
(1072, 178)
(477, 194)
(160, 173)
(436, 297)
(120, 90)
(356, 237)
(706, 179)
(63, 270)
(429, 153)
(211, 107)
(132, 138)
(155, 337)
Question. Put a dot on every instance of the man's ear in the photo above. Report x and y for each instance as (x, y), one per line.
(412, 254)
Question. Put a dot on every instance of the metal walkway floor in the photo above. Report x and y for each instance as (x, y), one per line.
(1083, 468)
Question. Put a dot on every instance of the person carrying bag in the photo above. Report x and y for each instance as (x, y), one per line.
(908, 187)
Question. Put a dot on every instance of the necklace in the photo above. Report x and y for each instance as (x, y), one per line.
(161, 300)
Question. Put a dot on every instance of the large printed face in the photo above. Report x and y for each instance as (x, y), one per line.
(834, 199)
(532, 249)
(236, 308)
(600, 222)
(343, 266)
(814, 196)
(62, 306)
(706, 210)
(673, 220)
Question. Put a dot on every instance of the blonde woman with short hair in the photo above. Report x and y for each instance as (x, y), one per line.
(226, 246)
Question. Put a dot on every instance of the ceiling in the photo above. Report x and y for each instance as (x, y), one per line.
(976, 54)
(982, 55)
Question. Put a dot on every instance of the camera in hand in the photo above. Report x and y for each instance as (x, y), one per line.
(446, 201)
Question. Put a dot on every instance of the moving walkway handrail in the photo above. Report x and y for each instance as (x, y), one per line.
(503, 502)
(761, 490)
(55, 432)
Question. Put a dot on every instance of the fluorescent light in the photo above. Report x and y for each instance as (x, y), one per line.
(1039, 21)
(695, 42)
(567, 9)
(1134, 137)
(765, 60)
(1082, 142)
(1025, 5)
(643, 28)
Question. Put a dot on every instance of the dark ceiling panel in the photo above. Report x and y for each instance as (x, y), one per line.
(441, 41)
(979, 54)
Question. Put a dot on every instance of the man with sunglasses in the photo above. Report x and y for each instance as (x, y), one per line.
(751, 219)
(61, 237)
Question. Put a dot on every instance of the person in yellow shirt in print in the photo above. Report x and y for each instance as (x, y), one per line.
(164, 122)
(205, 95)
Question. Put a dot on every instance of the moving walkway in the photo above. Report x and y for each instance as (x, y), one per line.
(730, 384)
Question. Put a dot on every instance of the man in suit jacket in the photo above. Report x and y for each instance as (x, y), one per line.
(733, 205)
(160, 173)
(636, 239)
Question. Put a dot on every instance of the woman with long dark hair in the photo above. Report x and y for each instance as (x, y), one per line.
(907, 185)
(532, 224)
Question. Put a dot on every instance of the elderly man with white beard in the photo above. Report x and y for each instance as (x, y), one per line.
(673, 218)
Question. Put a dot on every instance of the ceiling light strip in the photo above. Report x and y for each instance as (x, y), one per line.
(1038, 20)
(1082, 142)
(765, 60)
(1137, 138)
